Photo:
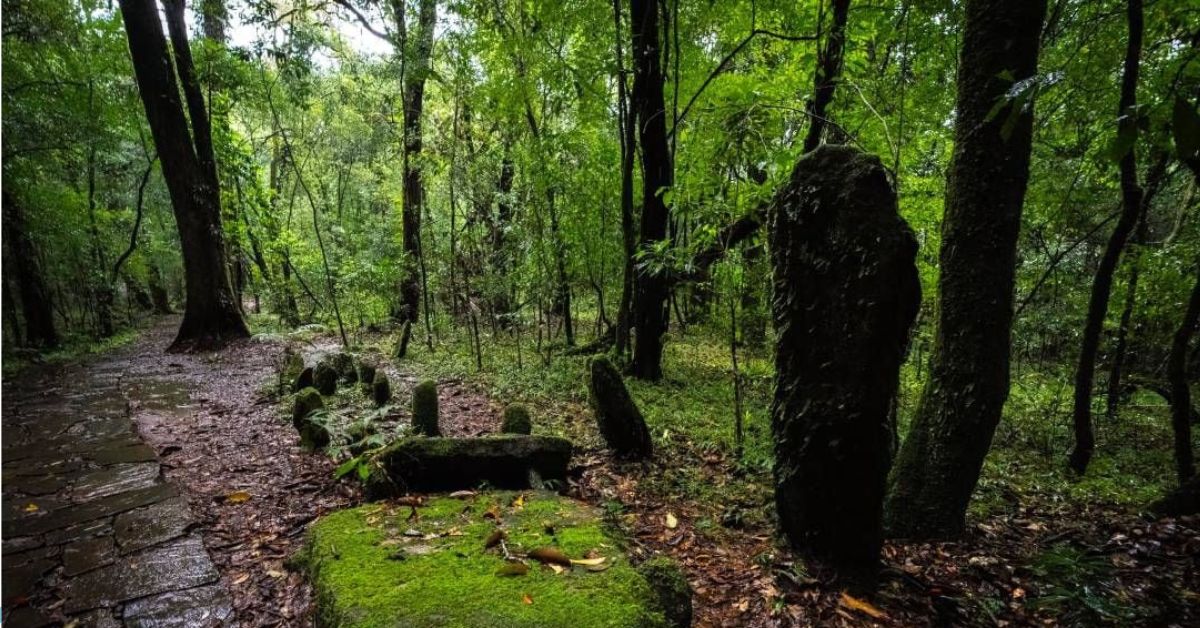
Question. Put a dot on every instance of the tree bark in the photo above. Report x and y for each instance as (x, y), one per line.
(414, 187)
(828, 68)
(36, 305)
(211, 315)
(940, 460)
(1181, 402)
(651, 288)
(1131, 209)
(625, 132)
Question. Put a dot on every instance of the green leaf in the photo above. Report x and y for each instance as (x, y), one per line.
(345, 467)
(1122, 143)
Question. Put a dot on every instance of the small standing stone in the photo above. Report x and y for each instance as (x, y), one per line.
(303, 380)
(366, 375)
(325, 378)
(516, 420)
(314, 434)
(343, 363)
(307, 401)
(425, 409)
(621, 423)
(381, 389)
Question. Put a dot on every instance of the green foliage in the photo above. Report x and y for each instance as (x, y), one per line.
(1077, 585)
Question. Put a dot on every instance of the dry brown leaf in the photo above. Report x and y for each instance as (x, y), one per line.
(588, 562)
(462, 494)
(549, 555)
(242, 578)
(557, 569)
(525, 598)
(31, 507)
(862, 606)
(493, 512)
(238, 497)
(494, 539)
(519, 502)
(672, 522)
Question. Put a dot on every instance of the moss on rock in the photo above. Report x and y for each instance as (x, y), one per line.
(303, 380)
(516, 420)
(307, 401)
(325, 378)
(670, 584)
(425, 409)
(381, 389)
(314, 434)
(367, 572)
(507, 461)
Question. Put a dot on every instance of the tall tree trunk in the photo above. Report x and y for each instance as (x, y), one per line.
(1131, 209)
(416, 72)
(625, 131)
(939, 462)
(36, 305)
(651, 288)
(211, 315)
(1154, 181)
(1181, 401)
(501, 262)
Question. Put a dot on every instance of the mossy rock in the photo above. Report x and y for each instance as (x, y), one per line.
(291, 367)
(516, 420)
(314, 434)
(381, 389)
(430, 464)
(670, 584)
(425, 409)
(303, 380)
(343, 363)
(325, 378)
(366, 572)
(307, 401)
(620, 422)
(366, 375)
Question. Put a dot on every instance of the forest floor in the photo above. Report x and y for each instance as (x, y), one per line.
(1041, 548)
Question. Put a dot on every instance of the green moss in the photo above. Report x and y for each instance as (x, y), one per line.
(425, 409)
(516, 420)
(307, 401)
(367, 573)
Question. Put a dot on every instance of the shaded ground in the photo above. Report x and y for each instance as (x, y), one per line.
(214, 422)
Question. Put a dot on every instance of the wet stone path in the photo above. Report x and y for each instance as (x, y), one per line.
(93, 535)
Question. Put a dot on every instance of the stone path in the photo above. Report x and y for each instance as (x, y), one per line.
(93, 534)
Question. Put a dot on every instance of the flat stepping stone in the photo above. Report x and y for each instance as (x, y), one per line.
(200, 606)
(177, 565)
(508, 461)
(115, 479)
(374, 566)
(151, 525)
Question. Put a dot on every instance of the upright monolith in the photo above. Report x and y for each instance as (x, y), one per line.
(846, 293)
(620, 422)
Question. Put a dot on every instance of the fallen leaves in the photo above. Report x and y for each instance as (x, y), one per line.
(494, 539)
(549, 555)
(526, 599)
(849, 601)
(515, 568)
(671, 521)
(237, 497)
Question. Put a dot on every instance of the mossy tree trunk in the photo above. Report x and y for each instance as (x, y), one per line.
(940, 460)
(846, 293)
(1131, 209)
(1181, 402)
(36, 306)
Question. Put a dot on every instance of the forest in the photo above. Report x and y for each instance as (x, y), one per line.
(601, 312)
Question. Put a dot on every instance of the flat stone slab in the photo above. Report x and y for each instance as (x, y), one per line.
(177, 565)
(423, 464)
(115, 479)
(200, 606)
(151, 525)
(88, 554)
(374, 566)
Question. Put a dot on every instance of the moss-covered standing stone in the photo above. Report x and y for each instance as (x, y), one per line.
(303, 380)
(325, 378)
(314, 434)
(670, 584)
(307, 401)
(343, 363)
(381, 389)
(516, 420)
(366, 375)
(620, 422)
(290, 368)
(366, 572)
(425, 409)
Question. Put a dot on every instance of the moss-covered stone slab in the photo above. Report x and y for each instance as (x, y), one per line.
(372, 566)
(431, 464)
